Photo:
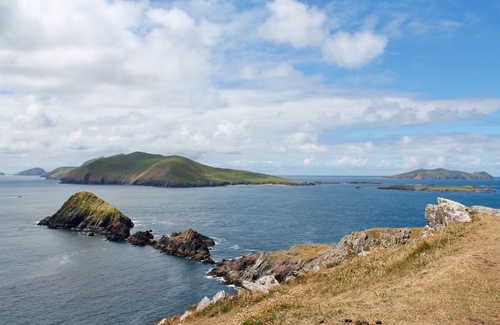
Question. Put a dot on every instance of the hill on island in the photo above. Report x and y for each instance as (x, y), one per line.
(141, 168)
(441, 173)
(58, 173)
(37, 171)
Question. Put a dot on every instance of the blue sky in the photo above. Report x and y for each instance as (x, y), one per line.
(280, 86)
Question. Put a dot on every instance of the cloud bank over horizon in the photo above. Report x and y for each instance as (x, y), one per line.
(282, 87)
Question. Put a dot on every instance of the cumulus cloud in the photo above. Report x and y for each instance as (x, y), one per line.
(295, 23)
(353, 50)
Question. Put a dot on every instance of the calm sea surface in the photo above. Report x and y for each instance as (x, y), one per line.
(62, 277)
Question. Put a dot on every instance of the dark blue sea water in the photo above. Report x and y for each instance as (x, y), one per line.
(63, 277)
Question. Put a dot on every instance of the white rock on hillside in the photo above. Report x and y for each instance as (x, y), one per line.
(446, 212)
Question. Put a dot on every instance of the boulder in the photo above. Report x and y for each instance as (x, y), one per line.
(446, 212)
(262, 284)
(86, 211)
(204, 303)
(188, 243)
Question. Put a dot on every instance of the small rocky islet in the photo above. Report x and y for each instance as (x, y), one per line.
(85, 211)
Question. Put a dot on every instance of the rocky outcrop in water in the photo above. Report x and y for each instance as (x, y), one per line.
(142, 238)
(86, 211)
(188, 243)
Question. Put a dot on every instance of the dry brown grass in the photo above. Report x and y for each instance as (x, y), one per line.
(451, 278)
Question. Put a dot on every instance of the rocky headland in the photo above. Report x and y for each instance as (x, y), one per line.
(86, 211)
(251, 271)
(387, 252)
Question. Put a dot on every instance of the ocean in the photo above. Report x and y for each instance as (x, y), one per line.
(52, 276)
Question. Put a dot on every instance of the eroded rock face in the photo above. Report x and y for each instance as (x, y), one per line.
(251, 270)
(86, 211)
(188, 243)
(446, 212)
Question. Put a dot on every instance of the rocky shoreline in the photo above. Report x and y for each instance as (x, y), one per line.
(285, 265)
(260, 272)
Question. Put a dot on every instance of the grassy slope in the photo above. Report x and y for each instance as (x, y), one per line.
(147, 169)
(451, 278)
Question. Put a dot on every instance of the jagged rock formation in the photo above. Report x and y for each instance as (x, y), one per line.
(86, 211)
(446, 212)
(253, 271)
(188, 243)
(142, 238)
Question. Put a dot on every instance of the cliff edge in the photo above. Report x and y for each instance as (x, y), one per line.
(444, 273)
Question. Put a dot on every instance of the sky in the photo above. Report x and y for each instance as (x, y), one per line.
(285, 87)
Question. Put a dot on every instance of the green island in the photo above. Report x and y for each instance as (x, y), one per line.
(146, 169)
(434, 188)
(441, 173)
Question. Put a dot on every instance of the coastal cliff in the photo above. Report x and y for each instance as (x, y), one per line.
(86, 211)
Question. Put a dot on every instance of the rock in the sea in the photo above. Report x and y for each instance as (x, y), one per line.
(446, 212)
(188, 243)
(141, 238)
(86, 211)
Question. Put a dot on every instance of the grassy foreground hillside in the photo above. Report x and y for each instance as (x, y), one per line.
(140, 168)
(450, 278)
(441, 173)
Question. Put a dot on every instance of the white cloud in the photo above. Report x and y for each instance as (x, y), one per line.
(295, 23)
(349, 162)
(292, 22)
(353, 50)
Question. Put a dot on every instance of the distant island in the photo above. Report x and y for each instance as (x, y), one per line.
(37, 171)
(441, 173)
(1, 174)
(141, 168)
(434, 188)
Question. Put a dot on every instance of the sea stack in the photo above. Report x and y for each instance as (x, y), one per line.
(86, 211)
